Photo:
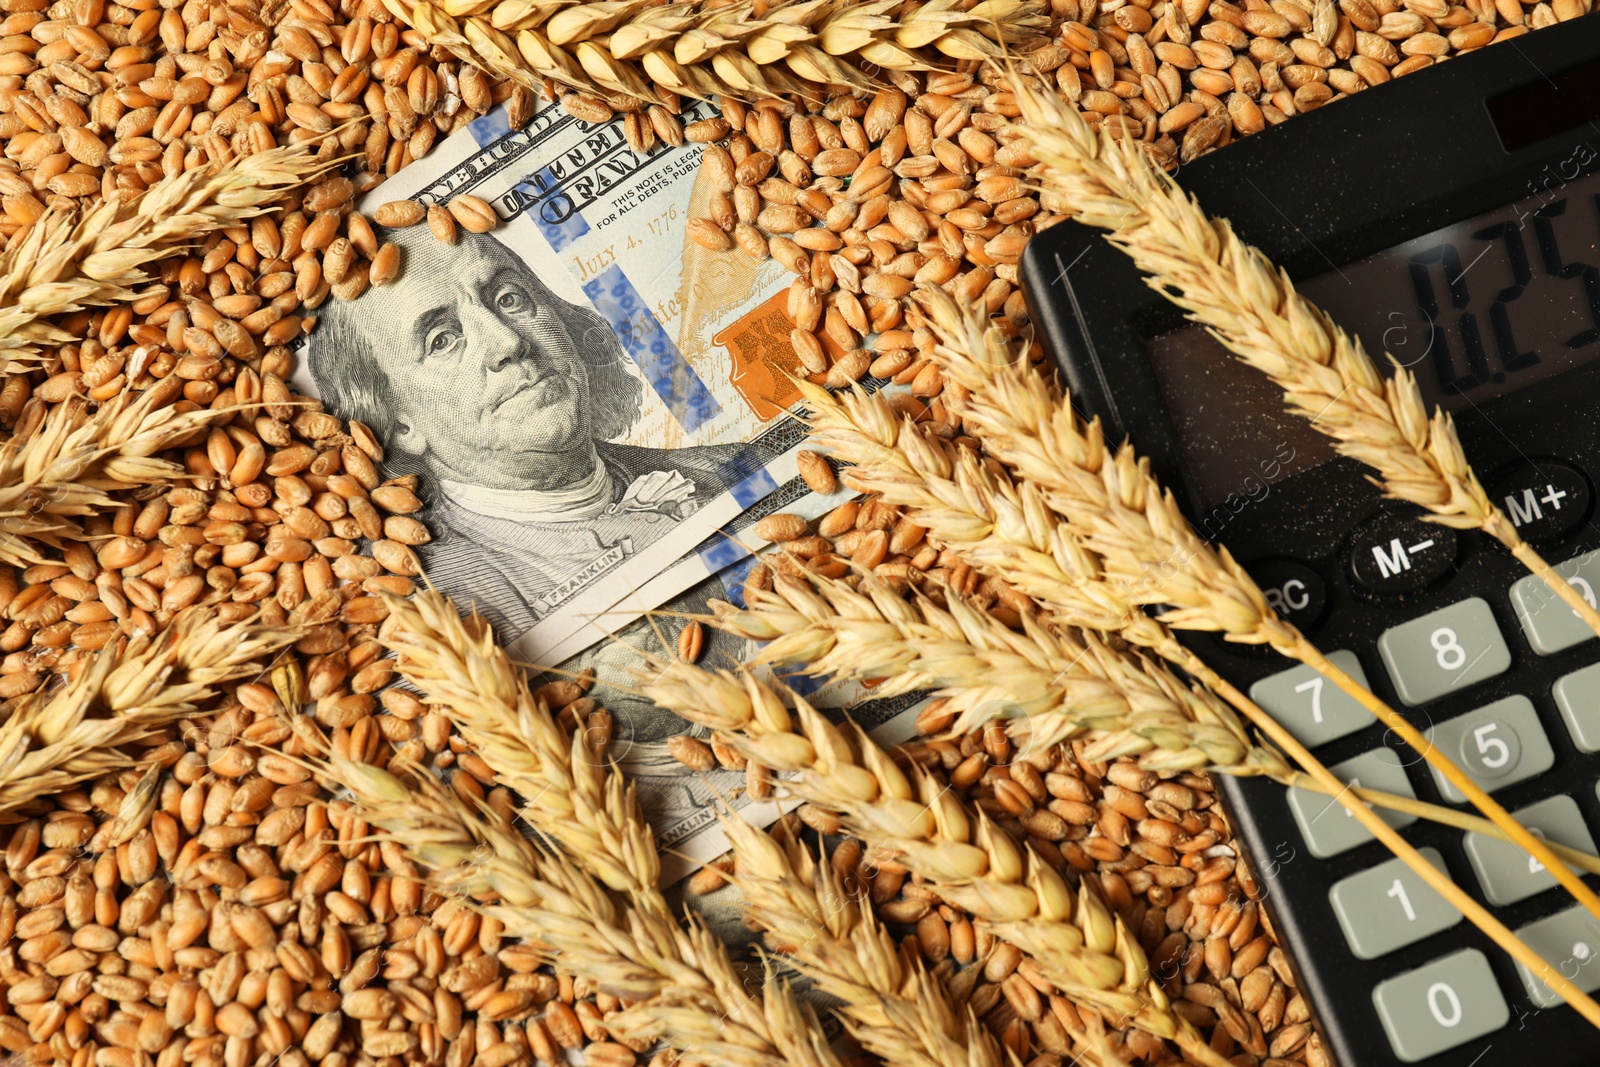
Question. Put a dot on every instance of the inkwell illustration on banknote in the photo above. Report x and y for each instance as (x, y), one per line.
(598, 412)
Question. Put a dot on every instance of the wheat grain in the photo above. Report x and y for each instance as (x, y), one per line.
(1230, 287)
(63, 265)
(685, 989)
(972, 864)
(656, 54)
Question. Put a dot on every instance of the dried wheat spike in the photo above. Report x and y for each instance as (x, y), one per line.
(1049, 684)
(1200, 264)
(889, 1003)
(51, 741)
(681, 984)
(975, 866)
(1002, 528)
(656, 53)
(62, 264)
(1005, 530)
(68, 467)
(567, 791)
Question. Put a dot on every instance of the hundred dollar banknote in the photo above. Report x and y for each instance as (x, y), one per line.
(599, 413)
(586, 396)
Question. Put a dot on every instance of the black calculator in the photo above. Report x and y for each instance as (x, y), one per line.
(1452, 219)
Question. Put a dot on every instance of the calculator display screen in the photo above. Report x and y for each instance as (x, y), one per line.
(1475, 310)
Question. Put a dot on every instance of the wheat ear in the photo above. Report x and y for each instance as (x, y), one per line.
(1007, 531)
(1080, 945)
(1048, 683)
(656, 53)
(122, 697)
(570, 794)
(1129, 706)
(683, 987)
(68, 466)
(1147, 549)
(1230, 287)
(64, 264)
(568, 791)
(889, 1003)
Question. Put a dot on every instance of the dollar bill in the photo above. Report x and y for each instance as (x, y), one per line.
(599, 414)
(586, 396)
(727, 554)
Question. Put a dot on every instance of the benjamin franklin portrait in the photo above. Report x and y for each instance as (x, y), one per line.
(509, 401)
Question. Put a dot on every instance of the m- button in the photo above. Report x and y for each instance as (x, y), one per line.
(1399, 552)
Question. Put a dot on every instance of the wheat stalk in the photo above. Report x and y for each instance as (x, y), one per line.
(123, 696)
(682, 986)
(570, 794)
(1048, 683)
(975, 866)
(1150, 554)
(64, 264)
(1200, 264)
(890, 1003)
(657, 52)
(68, 466)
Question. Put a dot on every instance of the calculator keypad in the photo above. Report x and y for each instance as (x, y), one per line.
(1441, 1005)
(1380, 910)
(1327, 825)
(1497, 745)
(1547, 622)
(1312, 708)
(1578, 696)
(1509, 874)
(1444, 651)
(1389, 906)
(1568, 940)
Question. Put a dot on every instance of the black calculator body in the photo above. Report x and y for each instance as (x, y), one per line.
(1451, 218)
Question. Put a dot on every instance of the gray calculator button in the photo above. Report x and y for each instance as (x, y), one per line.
(1328, 826)
(1444, 651)
(1311, 707)
(1497, 745)
(1578, 696)
(1509, 874)
(1569, 941)
(1440, 1006)
(1546, 620)
(1389, 907)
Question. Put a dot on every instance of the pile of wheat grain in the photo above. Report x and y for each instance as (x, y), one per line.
(223, 907)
